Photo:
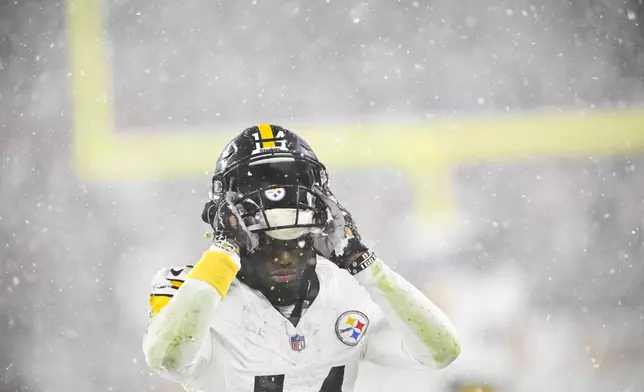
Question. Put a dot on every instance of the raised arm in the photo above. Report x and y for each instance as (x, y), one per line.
(178, 340)
(412, 328)
(413, 331)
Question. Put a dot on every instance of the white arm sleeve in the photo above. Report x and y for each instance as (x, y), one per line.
(412, 332)
(178, 341)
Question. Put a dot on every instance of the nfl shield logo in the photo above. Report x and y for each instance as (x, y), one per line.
(297, 342)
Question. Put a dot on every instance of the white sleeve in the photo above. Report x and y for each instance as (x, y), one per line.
(178, 341)
(410, 331)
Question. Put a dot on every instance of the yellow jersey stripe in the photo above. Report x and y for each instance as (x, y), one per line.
(266, 132)
(157, 302)
(176, 283)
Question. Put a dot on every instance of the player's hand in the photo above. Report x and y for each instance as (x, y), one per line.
(339, 241)
(226, 220)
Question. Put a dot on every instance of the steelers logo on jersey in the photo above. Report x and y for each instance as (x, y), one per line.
(351, 327)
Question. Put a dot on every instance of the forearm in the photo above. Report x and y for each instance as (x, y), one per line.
(426, 331)
(178, 336)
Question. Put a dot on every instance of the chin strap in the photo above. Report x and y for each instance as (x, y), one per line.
(308, 291)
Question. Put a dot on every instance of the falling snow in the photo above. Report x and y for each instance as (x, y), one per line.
(490, 151)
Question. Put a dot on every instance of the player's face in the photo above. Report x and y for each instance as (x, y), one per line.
(284, 261)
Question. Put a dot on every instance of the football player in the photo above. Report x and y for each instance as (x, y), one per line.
(287, 297)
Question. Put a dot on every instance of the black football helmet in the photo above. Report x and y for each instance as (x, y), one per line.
(274, 169)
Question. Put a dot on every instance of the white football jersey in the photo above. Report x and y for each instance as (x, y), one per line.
(252, 347)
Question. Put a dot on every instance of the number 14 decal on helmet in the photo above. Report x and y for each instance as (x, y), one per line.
(267, 140)
(275, 383)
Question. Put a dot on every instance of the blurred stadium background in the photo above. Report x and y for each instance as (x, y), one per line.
(491, 151)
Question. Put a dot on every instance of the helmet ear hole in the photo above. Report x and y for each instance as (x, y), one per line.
(217, 187)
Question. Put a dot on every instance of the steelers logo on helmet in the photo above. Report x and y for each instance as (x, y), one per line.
(275, 194)
(351, 327)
